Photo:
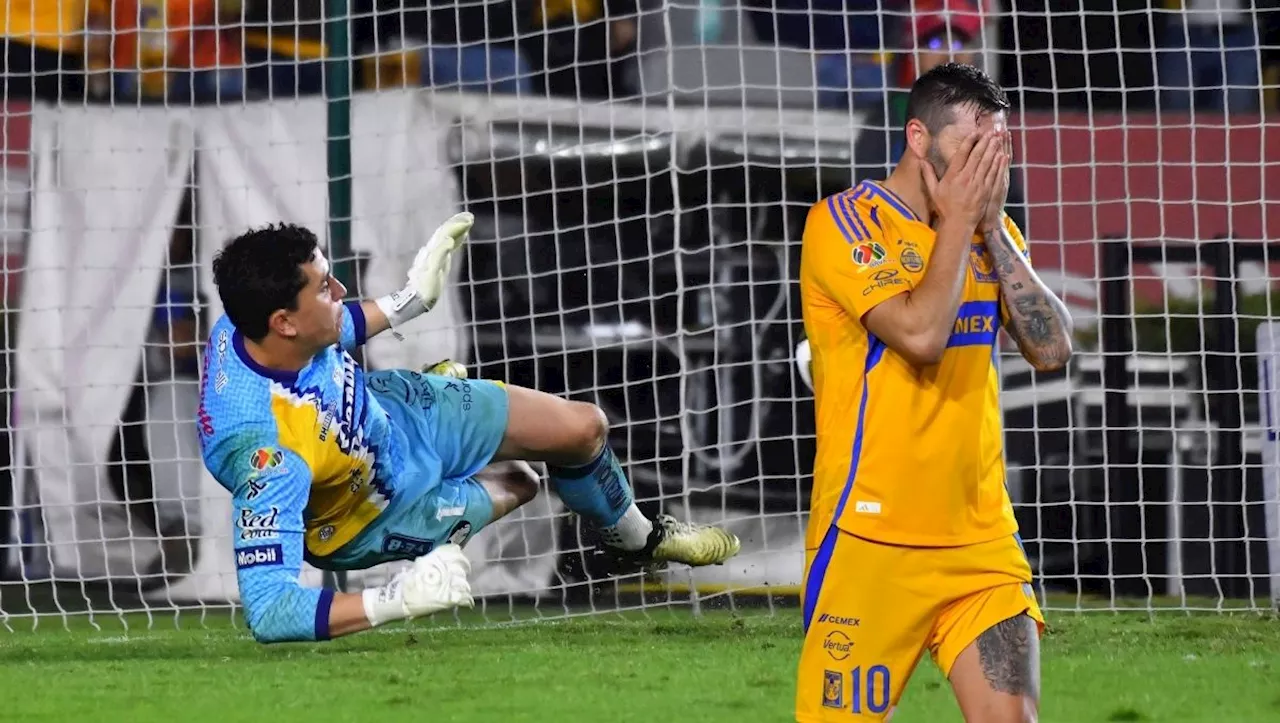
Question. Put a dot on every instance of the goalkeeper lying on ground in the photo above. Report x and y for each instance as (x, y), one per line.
(347, 470)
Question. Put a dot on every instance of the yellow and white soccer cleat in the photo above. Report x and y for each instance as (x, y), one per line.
(693, 545)
(675, 541)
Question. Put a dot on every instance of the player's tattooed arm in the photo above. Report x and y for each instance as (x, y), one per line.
(1010, 657)
(1038, 320)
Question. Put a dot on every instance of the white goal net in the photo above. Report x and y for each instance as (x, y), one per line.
(640, 171)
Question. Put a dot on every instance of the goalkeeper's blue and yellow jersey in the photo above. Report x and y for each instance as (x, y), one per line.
(310, 459)
(906, 455)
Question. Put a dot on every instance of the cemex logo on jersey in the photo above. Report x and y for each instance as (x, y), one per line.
(260, 556)
(259, 525)
(975, 324)
(838, 620)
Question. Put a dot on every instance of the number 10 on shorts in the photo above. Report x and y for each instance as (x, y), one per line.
(870, 689)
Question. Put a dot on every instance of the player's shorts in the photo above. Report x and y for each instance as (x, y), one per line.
(453, 427)
(871, 610)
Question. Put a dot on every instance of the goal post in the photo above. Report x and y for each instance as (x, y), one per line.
(1268, 340)
(338, 158)
(637, 245)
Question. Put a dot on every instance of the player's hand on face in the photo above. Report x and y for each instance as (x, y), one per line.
(964, 192)
(1000, 191)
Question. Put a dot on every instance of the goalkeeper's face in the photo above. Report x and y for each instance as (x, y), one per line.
(317, 321)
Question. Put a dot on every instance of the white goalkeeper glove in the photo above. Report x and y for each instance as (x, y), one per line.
(434, 582)
(429, 272)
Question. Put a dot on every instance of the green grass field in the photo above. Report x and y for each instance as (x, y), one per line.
(661, 666)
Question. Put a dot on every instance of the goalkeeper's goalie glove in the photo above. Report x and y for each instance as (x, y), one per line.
(429, 272)
(434, 582)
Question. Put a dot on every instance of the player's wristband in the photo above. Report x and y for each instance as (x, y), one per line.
(384, 604)
(401, 306)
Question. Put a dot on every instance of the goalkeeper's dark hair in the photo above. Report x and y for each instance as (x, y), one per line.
(260, 272)
(936, 94)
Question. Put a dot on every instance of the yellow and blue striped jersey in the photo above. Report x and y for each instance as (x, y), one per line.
(906, 455)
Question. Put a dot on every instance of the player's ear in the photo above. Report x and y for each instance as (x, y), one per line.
(282, 324)
(918, 139)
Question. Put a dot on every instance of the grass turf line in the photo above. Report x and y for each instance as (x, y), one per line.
(644, 667)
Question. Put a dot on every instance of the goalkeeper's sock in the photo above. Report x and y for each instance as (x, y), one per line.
(598, 491)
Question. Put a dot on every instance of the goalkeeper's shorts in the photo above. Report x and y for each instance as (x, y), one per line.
(437, 498)
(871, 610)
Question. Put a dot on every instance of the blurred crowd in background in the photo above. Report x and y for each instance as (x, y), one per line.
(206, 51)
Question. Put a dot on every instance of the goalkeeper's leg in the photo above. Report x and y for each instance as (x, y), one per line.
(509, 484)
(571, 438)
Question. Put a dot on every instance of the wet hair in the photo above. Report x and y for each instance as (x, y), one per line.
(936, 94)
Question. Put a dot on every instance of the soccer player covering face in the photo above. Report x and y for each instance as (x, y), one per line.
(346, 468)
(912, 544)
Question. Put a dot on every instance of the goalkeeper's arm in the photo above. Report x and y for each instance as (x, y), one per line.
(268, 537)
(427, 278)
(287, 612)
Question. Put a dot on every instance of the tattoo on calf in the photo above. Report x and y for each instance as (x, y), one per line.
(1007, 653)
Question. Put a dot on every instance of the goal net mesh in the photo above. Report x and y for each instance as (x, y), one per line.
(640, 171)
